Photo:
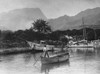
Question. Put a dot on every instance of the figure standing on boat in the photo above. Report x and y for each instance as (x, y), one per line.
(45, 51)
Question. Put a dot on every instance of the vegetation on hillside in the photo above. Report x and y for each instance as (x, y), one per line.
(40, 30)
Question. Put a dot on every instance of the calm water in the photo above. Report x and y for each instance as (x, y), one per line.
(82, 61)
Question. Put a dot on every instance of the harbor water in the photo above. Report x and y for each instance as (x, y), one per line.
(82, 61)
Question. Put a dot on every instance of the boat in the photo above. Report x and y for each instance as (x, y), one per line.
(82, 43)
(55, 58)
(96, 43)
(39, 47)
(35, 46)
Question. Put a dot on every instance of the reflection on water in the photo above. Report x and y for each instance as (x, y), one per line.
(46, 68)
(82, 61)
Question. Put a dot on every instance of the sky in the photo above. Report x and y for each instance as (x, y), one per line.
(50, 8)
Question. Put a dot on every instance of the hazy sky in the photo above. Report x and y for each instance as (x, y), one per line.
(51, 8)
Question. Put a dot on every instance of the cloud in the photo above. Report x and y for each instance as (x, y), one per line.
(93, 1)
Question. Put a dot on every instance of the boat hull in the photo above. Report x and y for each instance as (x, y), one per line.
(39, 47)
(55, 59)
(82, 46)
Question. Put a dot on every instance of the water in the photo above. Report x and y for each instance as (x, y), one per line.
(82, 61)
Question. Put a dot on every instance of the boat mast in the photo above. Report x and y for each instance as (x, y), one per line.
(84, 29)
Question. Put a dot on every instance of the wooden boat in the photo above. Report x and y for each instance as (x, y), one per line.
(59, 57)
(96, 43)
(39, 47)
(82, 43)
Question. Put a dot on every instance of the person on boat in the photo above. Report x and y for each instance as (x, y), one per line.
(33, 46)
(45, 51)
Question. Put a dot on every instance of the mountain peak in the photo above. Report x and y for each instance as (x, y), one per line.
(88, 12)
(21, 18)
(91, 17)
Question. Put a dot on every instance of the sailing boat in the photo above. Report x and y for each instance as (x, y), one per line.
(82, 43)
(38, 47)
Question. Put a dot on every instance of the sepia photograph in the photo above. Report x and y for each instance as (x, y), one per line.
(49, 36)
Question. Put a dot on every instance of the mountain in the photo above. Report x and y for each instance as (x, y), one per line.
(58, 22)
(23, 19)
(20, 18)
(91, 17)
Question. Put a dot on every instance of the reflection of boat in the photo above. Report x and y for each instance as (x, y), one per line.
(59, 57)
(48, 67)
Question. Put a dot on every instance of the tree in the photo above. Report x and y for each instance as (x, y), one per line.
(9, 36)
(41, 26)
(64, 42)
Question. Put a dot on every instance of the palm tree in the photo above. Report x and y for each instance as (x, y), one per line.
(41, 26)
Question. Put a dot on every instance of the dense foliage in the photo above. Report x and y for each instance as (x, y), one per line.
(43, 32)
(41, 26)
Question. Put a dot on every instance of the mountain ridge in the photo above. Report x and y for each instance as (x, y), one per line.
(23, 19)
(20, 18)
(91, 17)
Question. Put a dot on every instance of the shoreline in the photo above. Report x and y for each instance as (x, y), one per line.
(15, 50)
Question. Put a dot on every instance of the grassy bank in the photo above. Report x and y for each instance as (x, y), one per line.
(15, 50)
(8, 47)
